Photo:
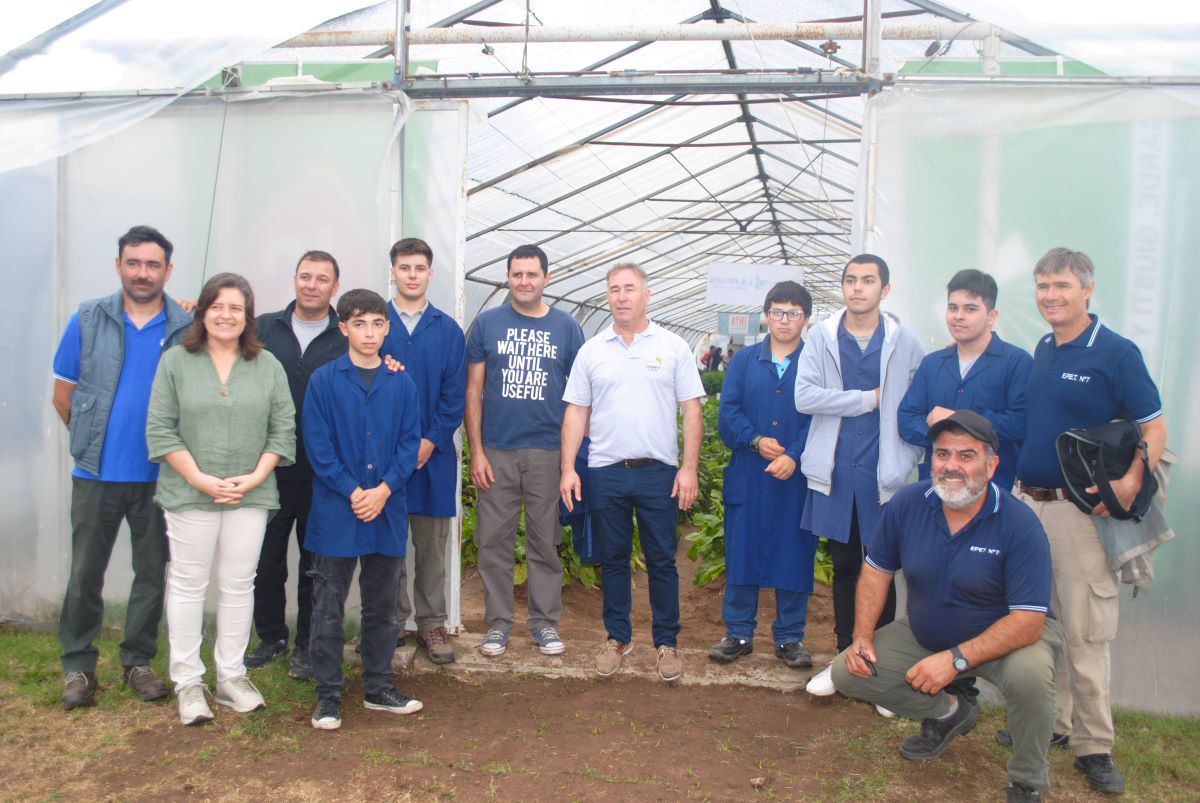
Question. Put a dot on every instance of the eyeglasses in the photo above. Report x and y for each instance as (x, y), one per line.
(790, 314)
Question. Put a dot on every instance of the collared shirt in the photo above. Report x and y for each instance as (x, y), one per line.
(994, 387)
(855, 488)
(960, 585)
(410, 321)
(1084, 383)
(123, 457)
(781, 364)
(633, 392)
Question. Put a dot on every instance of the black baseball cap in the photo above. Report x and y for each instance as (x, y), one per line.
(970, 422)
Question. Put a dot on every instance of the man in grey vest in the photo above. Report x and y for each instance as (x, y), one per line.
(103, 370)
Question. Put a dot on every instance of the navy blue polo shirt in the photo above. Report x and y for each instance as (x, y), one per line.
(994, 387)
(1084, 383)
(960, 585)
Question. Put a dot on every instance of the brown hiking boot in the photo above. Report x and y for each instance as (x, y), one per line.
(437, 645)
(610, 657)
(144, 684)
(670, 666)
(79, 690)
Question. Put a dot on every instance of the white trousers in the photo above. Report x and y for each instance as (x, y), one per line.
(228, 541)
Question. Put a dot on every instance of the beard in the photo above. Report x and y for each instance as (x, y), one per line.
(960, 496)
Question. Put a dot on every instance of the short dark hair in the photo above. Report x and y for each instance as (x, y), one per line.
(411, 245)
(975, 283)
(885, 275)
(197, 335)
(320, 256)
(529, 252)
(145, 234)
(789, 292)
(359, 302)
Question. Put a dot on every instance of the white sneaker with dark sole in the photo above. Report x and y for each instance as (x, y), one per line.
(241, 695)
(193, 708)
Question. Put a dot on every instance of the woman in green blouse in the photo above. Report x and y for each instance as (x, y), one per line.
(221, 418)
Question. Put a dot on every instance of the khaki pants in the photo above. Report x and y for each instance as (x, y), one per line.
(429, 537)
(1084, 599)
(1025, 678)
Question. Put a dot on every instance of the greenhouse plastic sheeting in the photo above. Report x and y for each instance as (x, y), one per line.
(991, 179)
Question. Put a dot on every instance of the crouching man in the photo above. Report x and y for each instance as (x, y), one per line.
(977, 565)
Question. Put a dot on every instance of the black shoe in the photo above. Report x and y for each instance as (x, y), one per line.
(1020, 793)
(936, 734)
(391, 700)
(400, 640)
(79, 690)
(144, 683)
(265, 652)
(327, 716)
(730, 649)
(794, 655)
(1101, 773)
(1059, 740)
(300, 668)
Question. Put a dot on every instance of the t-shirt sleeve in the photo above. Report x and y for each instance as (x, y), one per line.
(1027, 569)
(884, 553)
(579, 386)
(1135, 389)
(687, 376)
(475, 350)
(67, 358)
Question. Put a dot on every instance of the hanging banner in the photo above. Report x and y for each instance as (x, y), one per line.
(746, 284)
(738, 323)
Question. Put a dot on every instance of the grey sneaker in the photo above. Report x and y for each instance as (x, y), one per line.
(193, 708)
(494, 643)
(610, 657)
(670, 666)
(936, 734)
(240, 694)
(548, 642)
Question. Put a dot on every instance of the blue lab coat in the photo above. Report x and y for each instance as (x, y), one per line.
(764, 543)
(435, 356)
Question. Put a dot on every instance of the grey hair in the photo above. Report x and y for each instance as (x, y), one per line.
(626, 266)
(1059, 259)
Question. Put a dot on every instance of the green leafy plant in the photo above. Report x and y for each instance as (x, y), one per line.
(712, 381)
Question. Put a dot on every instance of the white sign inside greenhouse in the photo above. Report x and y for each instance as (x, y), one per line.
(746, 284)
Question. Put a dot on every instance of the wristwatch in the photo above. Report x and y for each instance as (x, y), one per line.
(755, 441)
(960, 661)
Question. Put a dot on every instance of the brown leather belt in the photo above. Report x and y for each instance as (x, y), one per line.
(637, 462)
(1042, 494)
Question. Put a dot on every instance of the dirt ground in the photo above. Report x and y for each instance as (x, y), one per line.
(519, 737)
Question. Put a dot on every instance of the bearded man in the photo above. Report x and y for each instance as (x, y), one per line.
(977, 565)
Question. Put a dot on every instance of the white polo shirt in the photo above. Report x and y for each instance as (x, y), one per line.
(634, 392)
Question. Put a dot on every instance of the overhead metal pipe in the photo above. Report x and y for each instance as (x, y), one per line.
(694, 32)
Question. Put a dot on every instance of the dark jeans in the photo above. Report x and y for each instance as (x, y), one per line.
(97, 509)
(739, 609)
(378, 584)
(270, 595)
(614, 494)
(847, 566)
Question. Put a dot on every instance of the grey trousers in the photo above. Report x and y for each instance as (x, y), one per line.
(429, 537)
(531, 475)
(1024, 677)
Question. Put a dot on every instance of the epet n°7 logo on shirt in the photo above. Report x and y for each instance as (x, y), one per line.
(654, 364)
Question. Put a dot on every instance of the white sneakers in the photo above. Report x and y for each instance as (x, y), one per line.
(885, 713)
(240, 695)
(821, 684)
(193, 708)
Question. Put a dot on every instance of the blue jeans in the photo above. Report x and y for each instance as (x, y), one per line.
(614, 494)
(739, 609)
(378, 584)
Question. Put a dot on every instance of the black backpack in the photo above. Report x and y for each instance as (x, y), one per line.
(1097, 456)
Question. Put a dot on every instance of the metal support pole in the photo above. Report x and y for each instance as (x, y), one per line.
(870, 37)
(401, 41)
(991, 55)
